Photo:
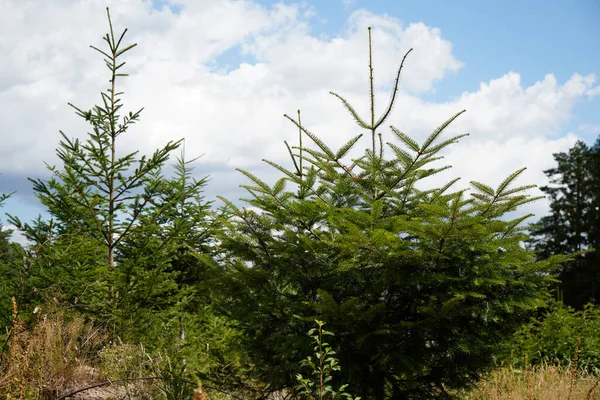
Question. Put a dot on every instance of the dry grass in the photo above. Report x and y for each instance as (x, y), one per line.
(49, 358)
(545, 382)
(60, 353)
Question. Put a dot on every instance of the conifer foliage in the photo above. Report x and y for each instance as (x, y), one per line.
(115, 216)
(419, 285)
(574, 222)
(102, 188)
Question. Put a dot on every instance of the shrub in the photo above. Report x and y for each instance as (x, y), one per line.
(557, 336)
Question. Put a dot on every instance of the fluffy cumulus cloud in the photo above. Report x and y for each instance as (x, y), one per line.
(222, 74)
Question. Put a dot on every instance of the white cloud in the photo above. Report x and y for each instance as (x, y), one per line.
(16, 235)
(235, 115)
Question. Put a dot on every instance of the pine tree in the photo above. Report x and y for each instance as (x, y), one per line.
(96, 198)
(572, 226)
(418, 285)
(593, 233)
(159, 267)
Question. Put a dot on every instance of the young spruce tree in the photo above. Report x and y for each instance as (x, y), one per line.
(419, 286)
(159, 267)
(96, 199)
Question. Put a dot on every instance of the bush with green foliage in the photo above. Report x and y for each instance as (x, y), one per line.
(559, 336)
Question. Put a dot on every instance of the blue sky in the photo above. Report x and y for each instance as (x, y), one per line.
(532, 37)
(222, 73)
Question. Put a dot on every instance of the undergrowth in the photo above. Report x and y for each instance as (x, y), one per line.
(62, 354)
(50, 357)
(541, 382)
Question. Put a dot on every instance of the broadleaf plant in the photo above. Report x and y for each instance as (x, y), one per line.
(321, 364)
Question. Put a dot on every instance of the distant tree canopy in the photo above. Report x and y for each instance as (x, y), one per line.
(574, 222)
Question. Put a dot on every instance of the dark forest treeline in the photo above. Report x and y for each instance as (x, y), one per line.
(421, 288)
(574, 222)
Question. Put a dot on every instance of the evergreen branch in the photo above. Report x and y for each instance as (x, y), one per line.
(499, 194)
(437, 194)
(345, 148)
(118, 53)
(508, 181)
(134, 217)
(100, 51)
(518, 189)
(438, 131)
(72, 150)
(262, 187)
(436, 209)
(314, 138)
(87, 204)
(483, 188)
(415, 164)
(279, 186)
(400, 178)
(293, 177)
(120, 39)
(456, 204)
(352, 111)
(394, 91)
(110, 39)
(316, 154)
(402, 154)
(265, 188)
(298, 170)
(232, 206)
(407, 140)
(406, 192)
(482, 197)
(445, 143)
(441, 190)
(158, 158)
(433, 171)
(309, 183)
(513, 224)
(520, 201)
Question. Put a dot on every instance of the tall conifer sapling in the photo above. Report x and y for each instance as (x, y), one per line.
(97, 193)
(420, 285)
